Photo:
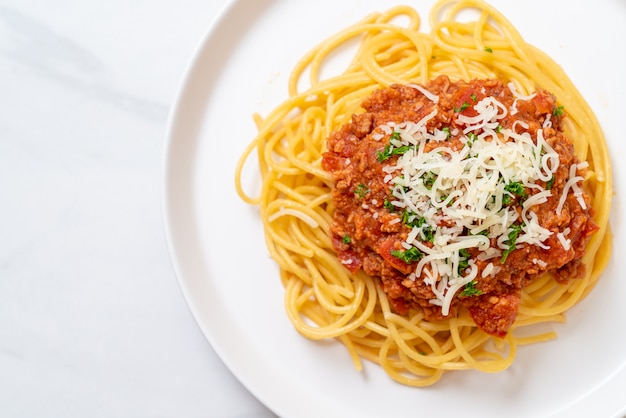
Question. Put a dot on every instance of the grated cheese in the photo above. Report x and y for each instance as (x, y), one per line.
(466, 190)
(518, 96)
(430, 96)
(572, 184)
(566, 243)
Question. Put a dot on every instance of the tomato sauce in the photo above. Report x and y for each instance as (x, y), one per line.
(365, 232)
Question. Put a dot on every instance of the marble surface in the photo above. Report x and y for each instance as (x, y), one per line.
(92, 322)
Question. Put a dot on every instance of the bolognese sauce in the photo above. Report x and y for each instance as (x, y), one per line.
(458, 194)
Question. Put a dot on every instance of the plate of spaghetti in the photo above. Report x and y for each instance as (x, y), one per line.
(407, 210)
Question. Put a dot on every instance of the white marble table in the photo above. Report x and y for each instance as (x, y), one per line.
(92, 322)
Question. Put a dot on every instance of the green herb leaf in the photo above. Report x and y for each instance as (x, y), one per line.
(346, 239)
(464, 106)
(361, 190)
(450, 202)
(549, 183)
(409, 256)
(558, 111)
(464, 257)
(513, 234)
(515, 187)
(391, 150)
(389, 206)
(401, 150)
(410, 218)
(489, 50)
(471, 290)
(471, 137)
(384, 155)
(473, 96)
(429, 233)
(429, 180)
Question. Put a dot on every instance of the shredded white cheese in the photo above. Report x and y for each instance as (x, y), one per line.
(467, 189)
(518, 96)
(572, 184)
(566, 243)
(430, 96)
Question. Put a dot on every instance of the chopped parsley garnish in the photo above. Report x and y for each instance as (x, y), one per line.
(473, 96)
(471, 290)
(499, 129)
(549, 183)
(450, 201)
(464, 106)
(410, 219)
(516, 188)
(429, 180)
(409, 256)
(429, 233)
(471, 137)
(346, 239)
(391, 150)
(401, 150)
(361, 190)
(558, 111)
(384, 154)
(388, 205)
(489, 50)
(513, 234)
(464, 257)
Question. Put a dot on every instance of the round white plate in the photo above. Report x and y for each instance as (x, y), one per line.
(233, 288)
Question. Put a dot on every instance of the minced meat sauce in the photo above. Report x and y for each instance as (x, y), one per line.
(373, 229)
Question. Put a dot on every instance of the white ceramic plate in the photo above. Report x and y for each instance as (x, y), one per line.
(233, 288)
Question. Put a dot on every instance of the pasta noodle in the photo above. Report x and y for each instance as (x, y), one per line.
(322, 298)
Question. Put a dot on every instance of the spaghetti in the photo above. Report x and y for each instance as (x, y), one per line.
(323, 298)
